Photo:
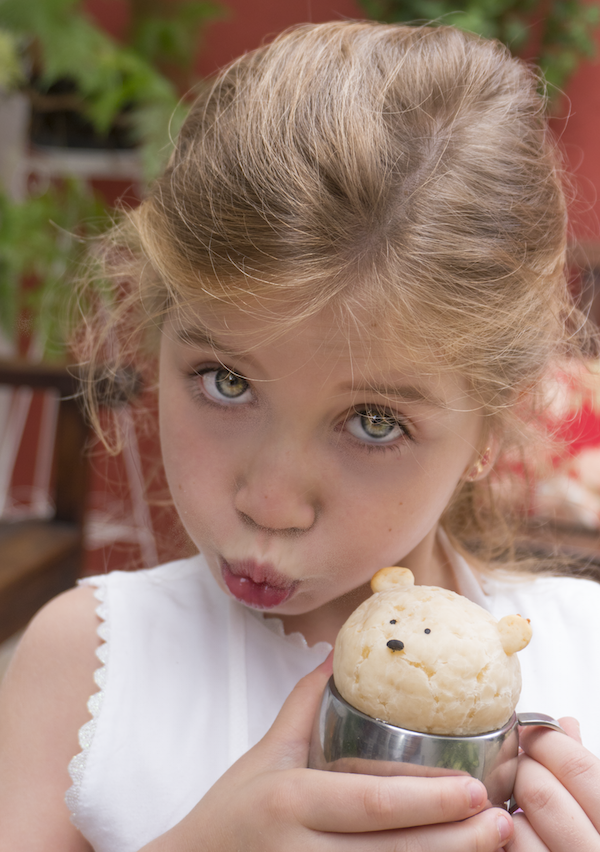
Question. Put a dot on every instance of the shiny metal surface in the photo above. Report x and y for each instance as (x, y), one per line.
(346, 740)
(525, 719)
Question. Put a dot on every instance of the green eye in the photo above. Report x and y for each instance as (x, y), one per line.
(224, 385)
(375, 426)
(229, 384)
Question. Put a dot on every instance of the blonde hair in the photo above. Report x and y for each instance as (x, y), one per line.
(408, 172)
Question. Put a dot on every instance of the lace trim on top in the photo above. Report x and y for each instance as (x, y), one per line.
(87, 731)
(275, 625)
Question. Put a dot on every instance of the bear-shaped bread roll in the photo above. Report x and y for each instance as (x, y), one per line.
(429, 660)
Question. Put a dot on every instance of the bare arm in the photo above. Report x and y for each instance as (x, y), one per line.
(42, 706)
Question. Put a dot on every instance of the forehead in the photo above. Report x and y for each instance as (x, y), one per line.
(250, 332)
(357, 349)
(257, 326)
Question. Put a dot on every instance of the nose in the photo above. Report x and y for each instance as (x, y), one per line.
(277, 491)
(395, 645)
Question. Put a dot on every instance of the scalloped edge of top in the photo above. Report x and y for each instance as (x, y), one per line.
(77, 765)
(275, 625)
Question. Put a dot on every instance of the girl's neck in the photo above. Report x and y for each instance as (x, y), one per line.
(428, 562)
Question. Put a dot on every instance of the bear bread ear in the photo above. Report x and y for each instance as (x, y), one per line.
(515, 633)
(392, 578)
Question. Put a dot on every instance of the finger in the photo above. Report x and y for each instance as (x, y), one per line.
(571, 727)
(577, 769)
(524, 838)
(551, 811)
(484, 832)
(346, 803)
(286, 743)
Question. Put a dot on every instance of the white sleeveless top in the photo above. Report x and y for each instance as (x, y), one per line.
(191, 679)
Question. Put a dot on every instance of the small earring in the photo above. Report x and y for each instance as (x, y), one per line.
(479, 466)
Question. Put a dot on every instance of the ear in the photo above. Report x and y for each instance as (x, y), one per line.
(392, 578)
(515, 633)
(483, 461)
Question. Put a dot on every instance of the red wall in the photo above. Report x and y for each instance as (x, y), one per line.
(579, 130)
(248, 22)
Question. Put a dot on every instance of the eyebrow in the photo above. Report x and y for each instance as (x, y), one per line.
(198, 335)
(403, 393)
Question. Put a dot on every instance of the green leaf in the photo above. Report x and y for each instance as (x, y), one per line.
(11, 72)
(567, 34)
(172, 37)
(42, 237)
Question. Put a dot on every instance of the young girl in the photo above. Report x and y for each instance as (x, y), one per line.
(352, 274)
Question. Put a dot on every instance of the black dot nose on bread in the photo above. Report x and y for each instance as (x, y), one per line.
(395, 645)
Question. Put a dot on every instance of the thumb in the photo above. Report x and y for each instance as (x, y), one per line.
(288, 740)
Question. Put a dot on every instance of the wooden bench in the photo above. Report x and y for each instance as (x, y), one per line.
(40, 558)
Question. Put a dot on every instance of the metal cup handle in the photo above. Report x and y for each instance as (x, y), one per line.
(525, 719)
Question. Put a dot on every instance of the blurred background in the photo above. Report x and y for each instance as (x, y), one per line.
(90, 93)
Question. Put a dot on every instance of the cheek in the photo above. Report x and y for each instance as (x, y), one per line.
(396, 510)
(377, 519)
(192, 467)
(413, 485)
(196, 485)
(188, 455)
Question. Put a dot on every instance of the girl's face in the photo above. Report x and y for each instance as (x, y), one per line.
(303, 465)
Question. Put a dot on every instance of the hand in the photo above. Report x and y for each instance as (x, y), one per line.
(269, 801)
(558, 790)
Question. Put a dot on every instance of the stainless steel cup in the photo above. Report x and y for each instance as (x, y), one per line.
(346, 740)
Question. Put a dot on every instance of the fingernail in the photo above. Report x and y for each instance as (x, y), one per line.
(477, 794)
(505, 827)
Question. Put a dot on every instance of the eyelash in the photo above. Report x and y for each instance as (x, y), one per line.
(396, 444)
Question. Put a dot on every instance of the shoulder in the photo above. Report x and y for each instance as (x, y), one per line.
(64, 618)
(561, 665)
(183, 576)
(564, 617)
(42, 706)
(178, 592)
(57, 650)
(542, 591)
(563, 610)
(56, 656)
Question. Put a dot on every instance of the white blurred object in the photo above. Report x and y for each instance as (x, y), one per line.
(562, 499)
(572, 495)
(110, 521)
(14, 123)
(585, 467)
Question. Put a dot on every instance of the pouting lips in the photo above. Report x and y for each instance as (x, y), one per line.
(246, 583)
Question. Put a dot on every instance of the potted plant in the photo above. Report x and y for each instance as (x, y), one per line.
(85, 91)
